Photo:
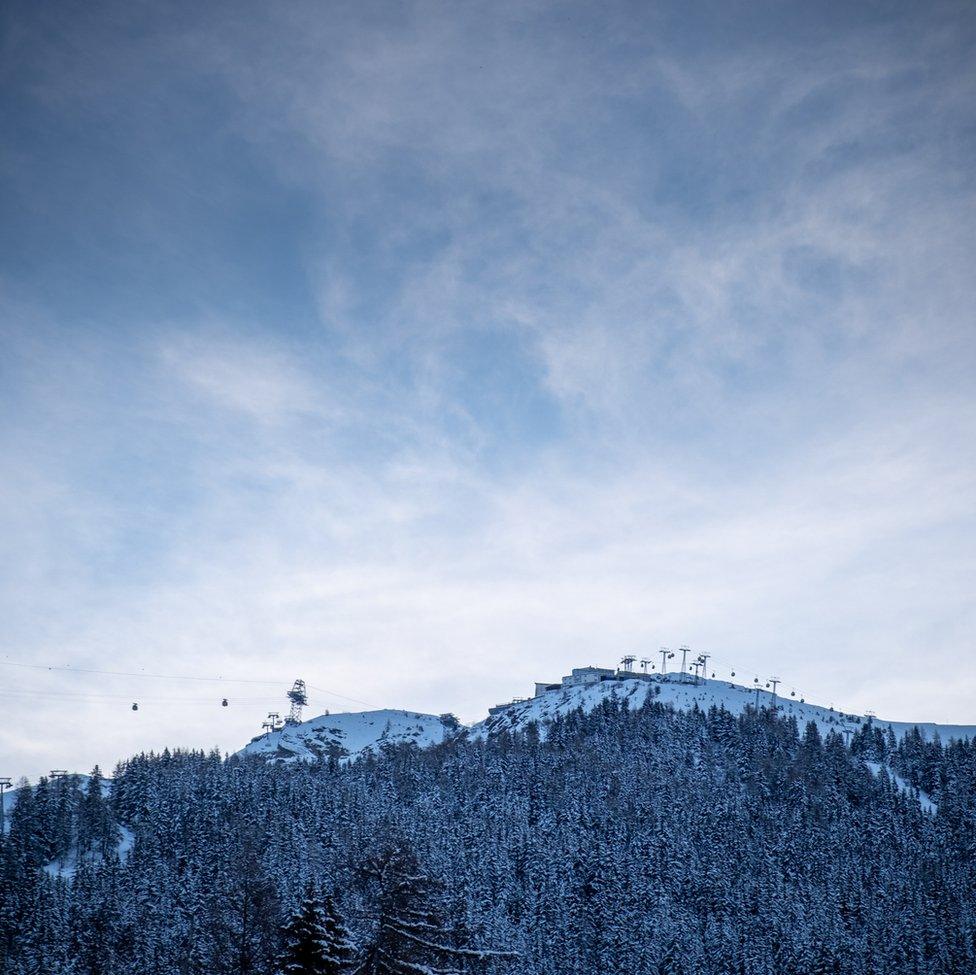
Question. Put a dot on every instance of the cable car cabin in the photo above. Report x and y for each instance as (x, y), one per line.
(223, 703)
(135, 707)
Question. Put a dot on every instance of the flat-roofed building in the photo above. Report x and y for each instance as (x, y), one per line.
(587, 675)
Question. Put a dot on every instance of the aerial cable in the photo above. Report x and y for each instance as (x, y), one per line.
(126, 673)
(344, 697)
(60, 668)
(44, 696)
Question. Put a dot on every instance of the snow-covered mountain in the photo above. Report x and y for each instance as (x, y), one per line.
(682, 691)
(348, 736)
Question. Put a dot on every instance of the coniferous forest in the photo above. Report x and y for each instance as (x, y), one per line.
(641, 842)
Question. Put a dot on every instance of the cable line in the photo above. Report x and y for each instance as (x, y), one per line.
(66, 669)
(126, 673)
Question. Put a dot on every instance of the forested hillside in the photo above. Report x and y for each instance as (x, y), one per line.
(637, 842)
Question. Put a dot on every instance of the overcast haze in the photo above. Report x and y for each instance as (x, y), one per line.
(427, 350)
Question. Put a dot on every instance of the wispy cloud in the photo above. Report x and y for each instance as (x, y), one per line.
(434, 351)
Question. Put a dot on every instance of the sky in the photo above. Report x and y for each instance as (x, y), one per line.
(425, 350)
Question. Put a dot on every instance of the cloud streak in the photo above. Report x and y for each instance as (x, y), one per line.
(453, 348)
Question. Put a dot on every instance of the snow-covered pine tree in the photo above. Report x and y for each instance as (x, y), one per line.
(411, 938)
(317, 941)
(340, 948)
(97, 834)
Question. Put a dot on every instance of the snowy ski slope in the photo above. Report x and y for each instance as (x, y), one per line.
(682, 692)
(350, 735)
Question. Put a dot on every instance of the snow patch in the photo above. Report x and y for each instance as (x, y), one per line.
(901, 785)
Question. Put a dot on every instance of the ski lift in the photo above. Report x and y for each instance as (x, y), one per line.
(713, 675)
(802, 701)
(733, 673)
(767, 683)
(792, 693)
(135, 706)
(223, 703)
(755, 680)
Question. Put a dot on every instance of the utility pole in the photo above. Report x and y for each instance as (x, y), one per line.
(5, 784)
(775, 681)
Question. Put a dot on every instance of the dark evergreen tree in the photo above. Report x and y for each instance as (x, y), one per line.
(411, 937)
(317, 941)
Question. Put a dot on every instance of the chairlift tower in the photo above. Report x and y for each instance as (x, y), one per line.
(627, 663)
(775, 681)
(704, 657)
(299, 698)
(699, 666)
(666, 655)
(644, 663)
(684, 660)
(274, 722)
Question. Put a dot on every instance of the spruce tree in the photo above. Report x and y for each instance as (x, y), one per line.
(317, 941)
(411, 936)
(340, 949)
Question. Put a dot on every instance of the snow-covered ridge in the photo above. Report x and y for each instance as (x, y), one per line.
(682, 691)
(348, 736)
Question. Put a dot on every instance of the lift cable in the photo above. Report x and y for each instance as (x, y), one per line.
(60, 668)
(125, 673)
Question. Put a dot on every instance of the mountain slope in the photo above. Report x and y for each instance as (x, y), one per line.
(682, 693)
(348, 736)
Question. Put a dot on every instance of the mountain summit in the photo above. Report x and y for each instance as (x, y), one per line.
(347, 736)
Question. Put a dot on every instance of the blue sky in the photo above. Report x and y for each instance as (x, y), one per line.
(424, 350)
